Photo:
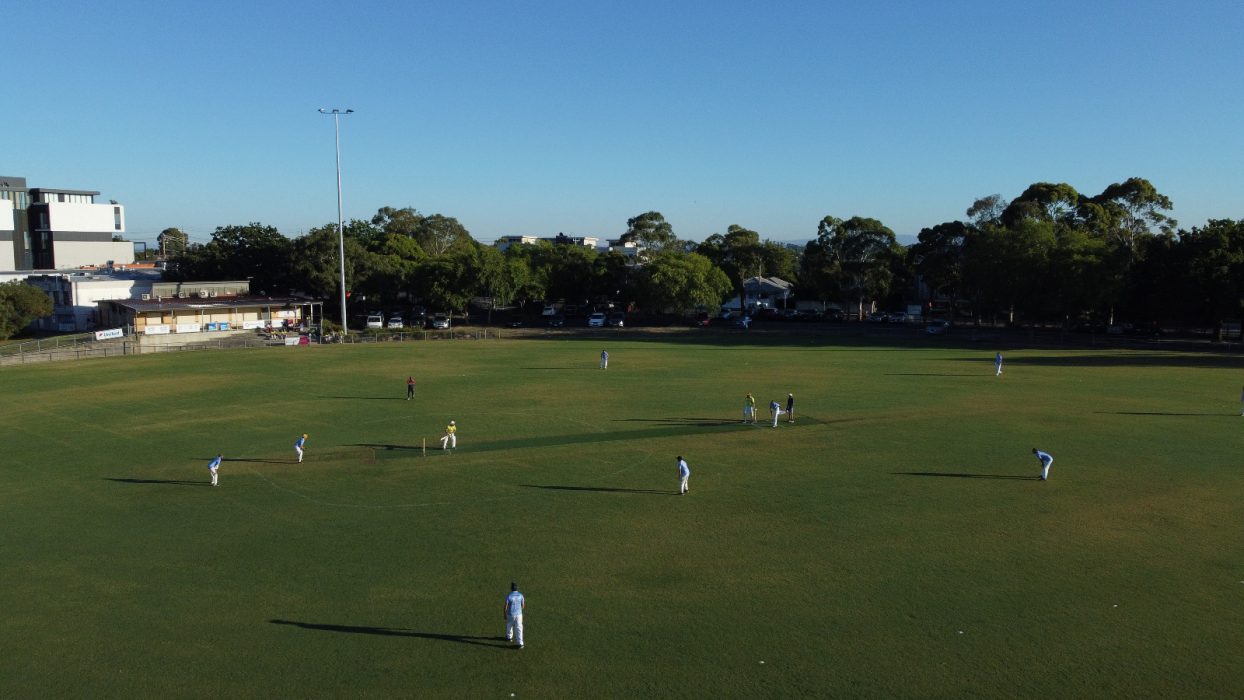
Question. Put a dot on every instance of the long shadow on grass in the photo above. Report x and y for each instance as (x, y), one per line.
(602, 489)
(935, 374)
(957, 475)
(498, 642)
(260, 461)
(1159, 413)
(672, 428)
(174, 482)
(556, 368)
(678, 421)
(1170, 358)
(366, 398)
(385, 446)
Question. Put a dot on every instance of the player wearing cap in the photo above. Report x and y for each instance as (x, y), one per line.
(450, 438)
(212, 466)
(298, 445)
(1046, 461)
(749, 408)
(515, 604)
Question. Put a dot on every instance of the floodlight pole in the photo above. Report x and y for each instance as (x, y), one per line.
(341, 238)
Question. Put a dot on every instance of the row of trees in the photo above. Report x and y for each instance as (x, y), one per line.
(1049, 255)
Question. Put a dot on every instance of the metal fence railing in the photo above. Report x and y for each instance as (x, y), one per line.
(45, 344)
(86, 347)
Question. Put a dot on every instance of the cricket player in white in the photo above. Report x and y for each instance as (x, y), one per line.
(775, 409)
(1046, 461)
(212, 466)
(450, 438)
(604, 359)
(997, 364)
(515, 604)
(684, 473)
(298, 445)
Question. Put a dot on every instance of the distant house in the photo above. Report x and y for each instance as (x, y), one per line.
(762, 293)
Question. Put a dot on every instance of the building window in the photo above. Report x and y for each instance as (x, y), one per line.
(60, 197)
(116, 218)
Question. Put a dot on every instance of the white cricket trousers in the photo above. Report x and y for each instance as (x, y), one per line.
(1045, 470)
(215, 477)
(450, 440)
(299, 451)
(775, 416)
(682, 484)
(514, 629)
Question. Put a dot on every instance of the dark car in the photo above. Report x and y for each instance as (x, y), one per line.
(616, 319)
(702, 319)
(556, 321)
(832, 314)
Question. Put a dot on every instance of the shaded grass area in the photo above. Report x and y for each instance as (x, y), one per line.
(891, 543)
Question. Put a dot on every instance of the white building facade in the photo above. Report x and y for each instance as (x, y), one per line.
(44, 228)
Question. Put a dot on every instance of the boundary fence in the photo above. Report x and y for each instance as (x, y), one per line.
(84, 346)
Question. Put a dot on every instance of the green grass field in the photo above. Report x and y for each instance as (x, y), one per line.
(891, 543)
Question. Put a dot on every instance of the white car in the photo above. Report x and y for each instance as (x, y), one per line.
(375, 321)
(596, 320)
(395, 322)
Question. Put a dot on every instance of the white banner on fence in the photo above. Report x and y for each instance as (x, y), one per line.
(189, 328)
(110, 333)
(252, 325)
(156, 330)
(293, 341)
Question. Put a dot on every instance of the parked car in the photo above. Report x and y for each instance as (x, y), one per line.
(596, 320)
(395, 322)
(439, 322)
(418, 315)
(832, 314)
(556, 321)
(375, 321)
(617, 319)
(937, 327)
(898, 317)
(743, 321)
(878, 317)
(549, 310)
(702, 319)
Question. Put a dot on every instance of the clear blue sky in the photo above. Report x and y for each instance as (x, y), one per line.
(535, 118)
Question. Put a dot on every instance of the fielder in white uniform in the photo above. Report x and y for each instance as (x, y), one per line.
(212, 466)
(1046, 461)
(515, 604)
(997, 364)
(604, 359)
(684, 474)
(298, 445)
